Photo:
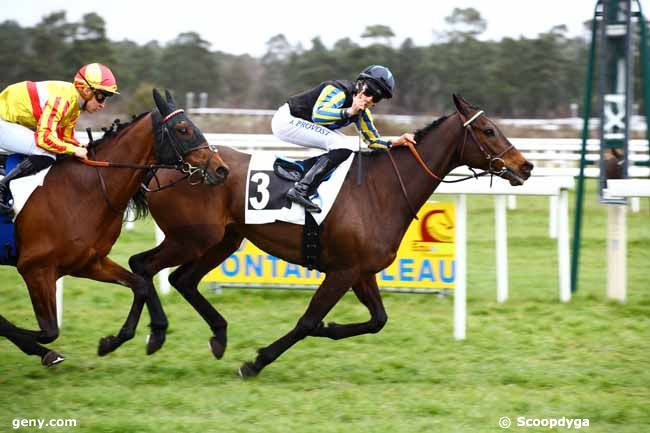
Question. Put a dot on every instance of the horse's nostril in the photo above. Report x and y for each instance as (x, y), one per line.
(222, 172)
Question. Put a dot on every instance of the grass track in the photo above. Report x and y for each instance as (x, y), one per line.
(529, 357)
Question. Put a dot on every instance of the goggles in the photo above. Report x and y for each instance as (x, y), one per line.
(101, 95)
(372, 92)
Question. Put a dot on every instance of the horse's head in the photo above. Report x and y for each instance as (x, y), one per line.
(485, 147)
(178, 139)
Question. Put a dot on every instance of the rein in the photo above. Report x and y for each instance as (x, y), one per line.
(183, 166)
(401, 182)
(467, 127)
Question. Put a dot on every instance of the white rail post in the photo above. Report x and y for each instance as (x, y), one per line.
(163, 275)
(617, 233)
(564, 269)
(616, 252)
(59, 301)
(460, 291)
(501, 238)
(129, 223)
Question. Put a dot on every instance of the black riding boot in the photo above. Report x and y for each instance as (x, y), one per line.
(310, 181)
(30, 165)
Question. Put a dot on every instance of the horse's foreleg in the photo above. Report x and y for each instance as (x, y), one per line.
(327, 295)
(41, 284)
(108, 271)
(173, 251)
(186, 279)
(26, 342)
(146, 265)
(368, 293)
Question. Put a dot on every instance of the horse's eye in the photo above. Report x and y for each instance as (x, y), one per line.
(489, 132)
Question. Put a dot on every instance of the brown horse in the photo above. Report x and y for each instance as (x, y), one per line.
(359, 237)
(69, 224)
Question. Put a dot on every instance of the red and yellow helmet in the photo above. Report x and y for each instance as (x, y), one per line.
(97, 77)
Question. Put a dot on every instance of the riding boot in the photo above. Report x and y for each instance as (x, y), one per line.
(29, 165)
(310, 181)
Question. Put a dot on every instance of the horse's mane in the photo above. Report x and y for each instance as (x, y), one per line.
(420, 133)
(138, 203)
(116, 128)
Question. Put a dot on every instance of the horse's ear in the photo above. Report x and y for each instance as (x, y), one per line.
(163, 107)
(170, 100)
(460, 103)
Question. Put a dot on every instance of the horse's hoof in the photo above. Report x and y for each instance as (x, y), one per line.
(51, 358)
(154, 342)
(217, 348)
(248, 370)
(107, 345)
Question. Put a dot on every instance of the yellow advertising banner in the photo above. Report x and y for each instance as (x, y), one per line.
(425, 259)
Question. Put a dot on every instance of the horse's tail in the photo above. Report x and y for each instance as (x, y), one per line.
(138, 205)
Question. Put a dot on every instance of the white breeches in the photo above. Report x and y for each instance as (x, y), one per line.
(308, 134)
(16, 138)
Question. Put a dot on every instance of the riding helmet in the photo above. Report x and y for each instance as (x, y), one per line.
(381, 76)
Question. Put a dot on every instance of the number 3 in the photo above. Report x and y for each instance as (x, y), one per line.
(262, 180)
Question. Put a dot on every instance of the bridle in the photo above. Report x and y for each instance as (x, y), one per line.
(181, 165)
(469, 130)
(491, 159)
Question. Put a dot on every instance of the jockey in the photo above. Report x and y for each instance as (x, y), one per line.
(38, 119)
(311, 119)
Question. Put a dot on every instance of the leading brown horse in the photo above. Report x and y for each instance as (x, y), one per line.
(360, 236)
(70, 224)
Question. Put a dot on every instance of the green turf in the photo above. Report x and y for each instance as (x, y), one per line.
(531, 357)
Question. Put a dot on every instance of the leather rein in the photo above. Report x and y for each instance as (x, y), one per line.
(468, 130)
(183, 166)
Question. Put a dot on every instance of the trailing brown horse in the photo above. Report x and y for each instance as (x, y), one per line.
(70, 224)
(360, 236)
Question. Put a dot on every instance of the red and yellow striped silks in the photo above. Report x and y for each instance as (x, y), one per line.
(49, 108)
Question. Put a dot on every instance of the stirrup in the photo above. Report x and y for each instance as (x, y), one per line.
(309, 206)
(6, 208)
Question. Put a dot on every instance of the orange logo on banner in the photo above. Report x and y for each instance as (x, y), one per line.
(425, 259)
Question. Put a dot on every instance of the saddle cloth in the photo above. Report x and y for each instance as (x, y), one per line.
(22, 189)
(266, 200)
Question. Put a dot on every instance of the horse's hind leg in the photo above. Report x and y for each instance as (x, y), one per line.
(328, 294)
(368, 293)
(108, 271)
(186, 280)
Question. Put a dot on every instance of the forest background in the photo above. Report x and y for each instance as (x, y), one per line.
(526, 77)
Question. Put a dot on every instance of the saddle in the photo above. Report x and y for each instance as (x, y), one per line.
(8, 247)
